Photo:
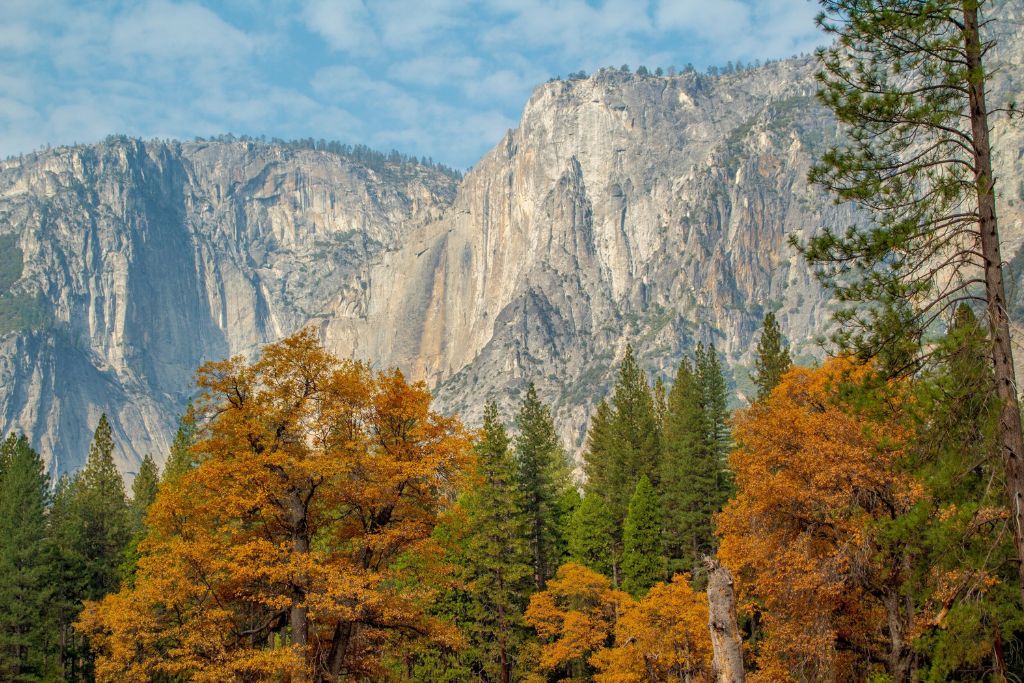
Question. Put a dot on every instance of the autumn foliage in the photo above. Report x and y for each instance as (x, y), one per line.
(814, 473)
(591, 631)
(278, 556)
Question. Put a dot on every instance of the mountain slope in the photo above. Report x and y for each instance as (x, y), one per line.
(623, 209)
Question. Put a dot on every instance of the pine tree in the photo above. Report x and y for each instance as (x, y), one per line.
(909, 83)
(497, 563)
(643, 561)
(623, 445)
(144, 489)
(592, 537)
(688, 476)
(716, 440)
(26, 638)
(181, 459)
(635, 422)
(772, 359)
(101, 510)
(543, 478)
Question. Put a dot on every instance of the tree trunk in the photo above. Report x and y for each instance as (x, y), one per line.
(298, 616)
(725, 635)
(1011, 438)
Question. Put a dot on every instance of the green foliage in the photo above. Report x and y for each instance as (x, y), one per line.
(592, 536)
(688, 479)
(898, 81)
(959, 531)
(543, 480)
(623, 444)
(643, 561)
(772, 360)
(496, 562)
(144, 489)
(27, 641)
(181, 458)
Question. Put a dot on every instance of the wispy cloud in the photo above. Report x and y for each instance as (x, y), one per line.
(440, 78)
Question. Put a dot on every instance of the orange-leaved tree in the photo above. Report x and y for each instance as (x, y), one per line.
(817, 470)
(590, 631)
(663, 637)
(277, 557)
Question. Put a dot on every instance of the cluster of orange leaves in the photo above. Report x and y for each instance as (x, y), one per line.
(812, 473)
(316, 476)
(584, 621)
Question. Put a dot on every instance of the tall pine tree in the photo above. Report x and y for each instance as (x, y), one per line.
(26, 637)
(772, 360)
(91, 526)
(643, 560)
(497, 563)
(689, 480)
(543, 479)
(181, 459)
(623, 446)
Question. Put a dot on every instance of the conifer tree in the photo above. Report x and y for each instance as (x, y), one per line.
(592, 538)
(689, 479)
(772, 360)
(26, 638)
(543, 479)
(100, 511)
(623, 445)
(635, 422)
(909, 83)
(497, 563)
(181, 459)
(144, 489)
(716, 438)
(643, 561)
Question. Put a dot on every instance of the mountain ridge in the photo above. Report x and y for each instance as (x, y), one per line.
(623, 209)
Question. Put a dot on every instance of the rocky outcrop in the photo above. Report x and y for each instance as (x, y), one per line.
(623, 209)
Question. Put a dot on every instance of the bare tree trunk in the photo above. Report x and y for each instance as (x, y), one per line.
(725, 635)
(298, 617)
(1010, 435)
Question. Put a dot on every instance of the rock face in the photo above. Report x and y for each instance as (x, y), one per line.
(648, 210)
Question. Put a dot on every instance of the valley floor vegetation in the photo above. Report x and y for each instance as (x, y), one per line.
(318, 521)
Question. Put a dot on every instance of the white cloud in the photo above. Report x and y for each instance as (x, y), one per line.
(169, 31)
(435, 69)
(344, 24)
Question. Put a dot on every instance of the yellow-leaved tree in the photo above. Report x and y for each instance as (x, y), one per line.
(590, 631)
(817, 473)
(284, 554)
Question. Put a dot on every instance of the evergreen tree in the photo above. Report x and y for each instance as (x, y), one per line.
(955, 456)
(909, 83)
(623, 445)
(592, 537)
(716, 440)
(91, 527)
(181, 459)
(689, 479)
(543, 479)
(773, 359)
(26, 639)
(497, 562)
(144, 489)
(635, 423)
(101, 510)
(643, 561)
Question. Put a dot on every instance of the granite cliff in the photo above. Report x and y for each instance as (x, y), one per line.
(624, 208)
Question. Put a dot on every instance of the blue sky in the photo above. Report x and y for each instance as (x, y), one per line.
(437, 78)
